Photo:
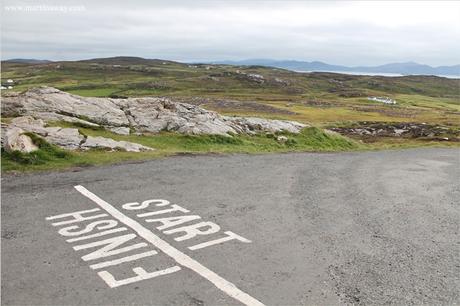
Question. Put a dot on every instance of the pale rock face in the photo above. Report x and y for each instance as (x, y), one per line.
(30, 124)
(15, 140)
(154, 115)
(102, 142)
(58, 117)
(119, 130)
(63, 137)
(144, 115)
(66, 138)
(50, 100)
(252, 125)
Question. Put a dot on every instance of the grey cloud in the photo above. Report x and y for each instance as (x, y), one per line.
(214, 30)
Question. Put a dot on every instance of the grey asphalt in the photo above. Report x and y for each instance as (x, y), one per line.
(326, 229)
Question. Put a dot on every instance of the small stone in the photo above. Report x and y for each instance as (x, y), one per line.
(282, 139)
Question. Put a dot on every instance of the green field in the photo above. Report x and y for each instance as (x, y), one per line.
(319, 99)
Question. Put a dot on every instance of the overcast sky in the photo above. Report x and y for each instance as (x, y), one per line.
(337, 32)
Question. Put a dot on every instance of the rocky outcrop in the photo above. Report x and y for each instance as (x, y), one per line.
(407, 130)
(48, 102)
(252, 125)
(142, 115)
(107, 143)
(153, 115)
(66, 138)
(14, 139)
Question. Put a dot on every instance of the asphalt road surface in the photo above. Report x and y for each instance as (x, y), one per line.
(284, 229)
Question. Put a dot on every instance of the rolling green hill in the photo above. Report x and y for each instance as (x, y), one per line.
(322, 99)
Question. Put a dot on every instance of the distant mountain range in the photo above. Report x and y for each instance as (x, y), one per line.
(399, 68)
(28, 61)
(406, 68)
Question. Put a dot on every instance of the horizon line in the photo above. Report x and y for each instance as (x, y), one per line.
(191, 61)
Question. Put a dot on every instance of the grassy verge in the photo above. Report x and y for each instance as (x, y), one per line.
(50, 157)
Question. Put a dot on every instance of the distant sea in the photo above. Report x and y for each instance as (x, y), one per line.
(378, 73)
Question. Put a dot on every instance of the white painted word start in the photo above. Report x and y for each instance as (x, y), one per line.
(110, 236)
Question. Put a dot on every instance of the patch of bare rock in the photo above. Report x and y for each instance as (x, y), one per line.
(400, 129)
(15, 138)
(141, 115)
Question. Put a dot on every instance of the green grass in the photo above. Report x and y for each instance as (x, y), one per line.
(49, 157)
(95, 92)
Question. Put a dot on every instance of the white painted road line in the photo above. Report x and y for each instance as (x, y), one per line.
(100, 234)
(141, 275)
(181, 258)
(122, 260)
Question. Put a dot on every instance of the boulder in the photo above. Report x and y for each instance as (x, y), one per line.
(107, 143)
(154, 115)
(66, 138)
(40, 102)
(13, 137)
(15, 140)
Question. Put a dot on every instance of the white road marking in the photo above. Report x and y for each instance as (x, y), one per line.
(141, 274)
(193, 230)
(100, 234)
(77, 217)
(230, 236)
(175, 207)
(110, 245)
(181, 258)
(122, 260)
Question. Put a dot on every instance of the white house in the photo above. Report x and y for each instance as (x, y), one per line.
(385, 100)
